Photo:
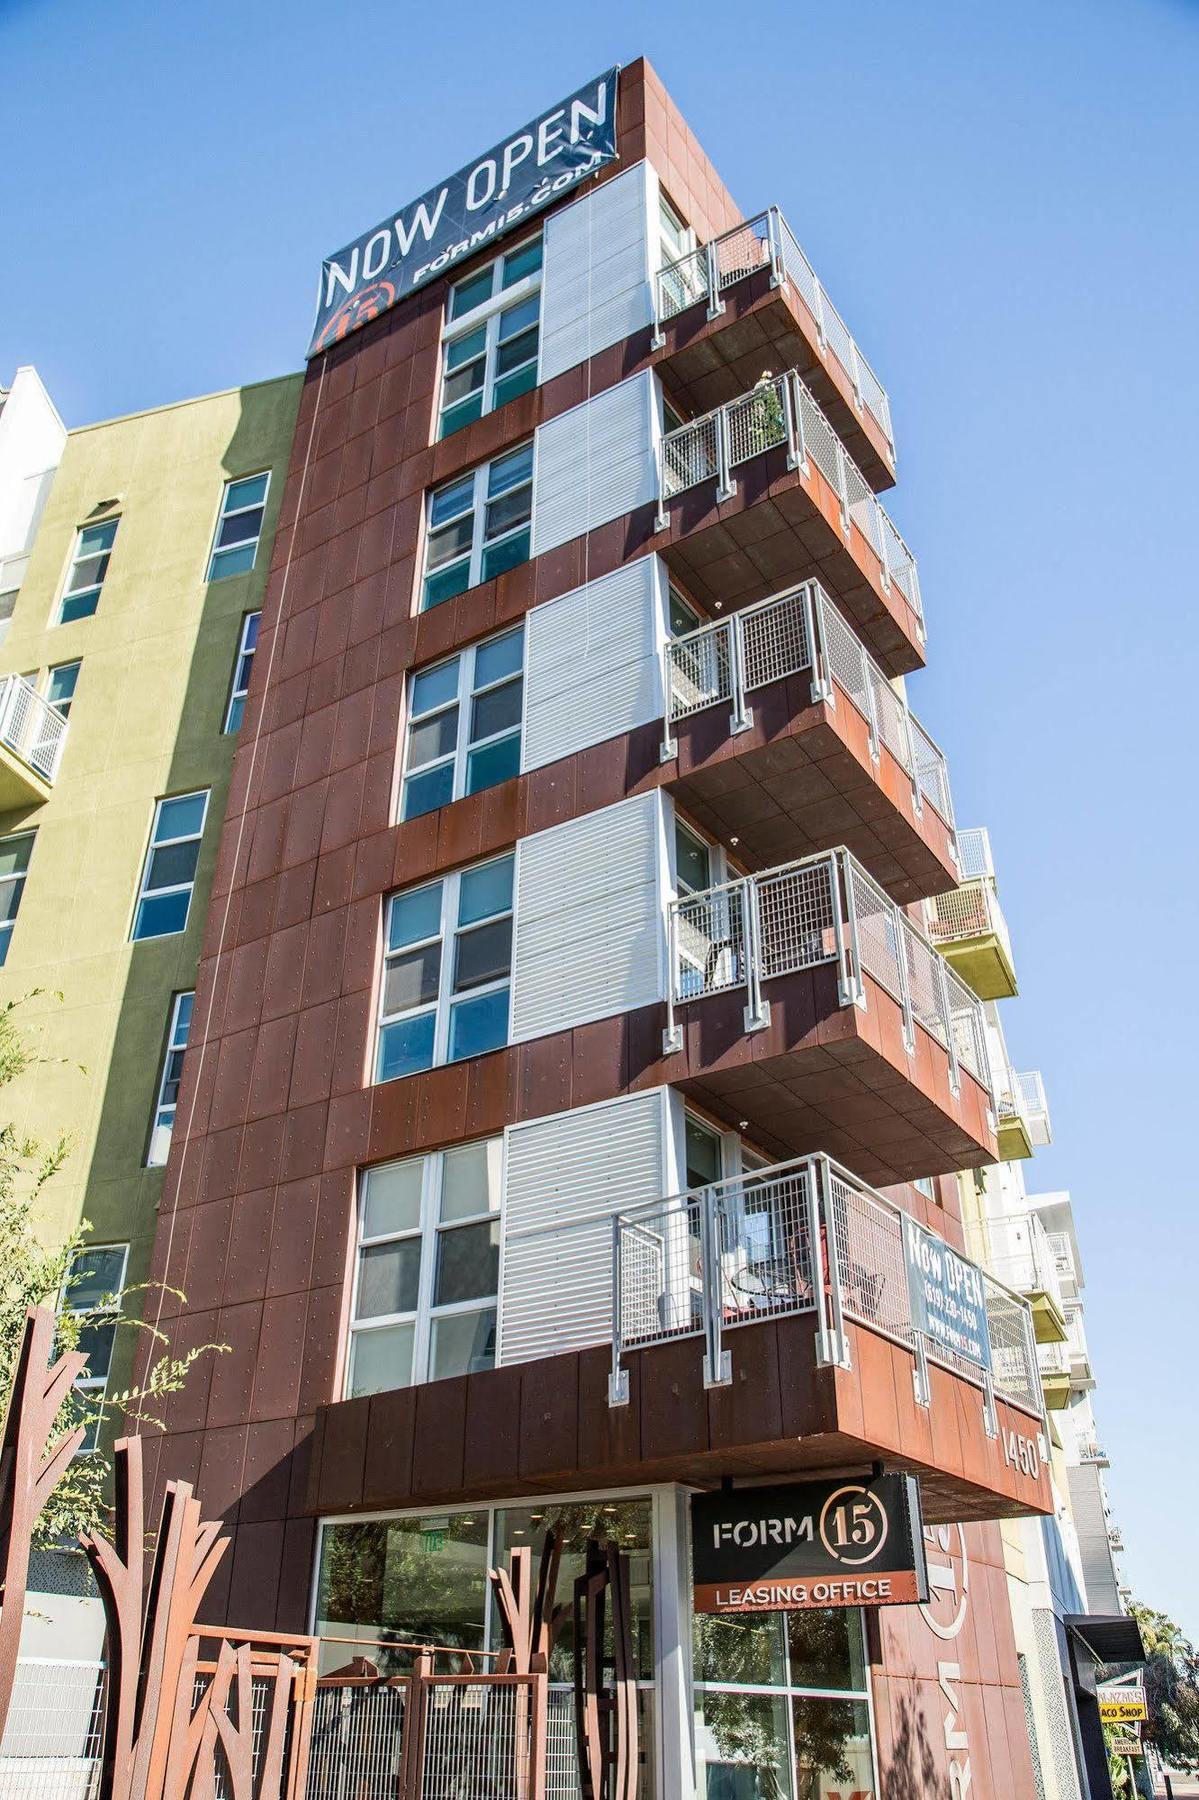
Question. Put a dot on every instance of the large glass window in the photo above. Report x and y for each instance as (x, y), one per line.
(14, 866)
(238, 526)
(782, 1705)
(60, 686)
(427, 1268)
(168, 1081)
(446, 970)
(89, 566)
(93, 1288)
(246, 646)
(479, 525)
(464, 720)
(489, 342)
(170, 872)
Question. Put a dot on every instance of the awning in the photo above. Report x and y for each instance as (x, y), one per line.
(1108, 1637)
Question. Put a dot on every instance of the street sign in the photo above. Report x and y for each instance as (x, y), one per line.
(1121, 1705)
(1126, 1746)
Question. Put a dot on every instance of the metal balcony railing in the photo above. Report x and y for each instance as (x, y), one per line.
(1091, 1452)
(969, 911)
(768, 240)
(974, 849)
(1053, 1359)
(783, 411)
(1034, 1107)
(1063, 1255)
(1028, 1267)
(801, 1237)
(785, 635)
(30, 727)
(820, 909)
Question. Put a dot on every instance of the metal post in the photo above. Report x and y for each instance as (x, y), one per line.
(672, 1037)
(851, 990)
(670, 748)
(718, 1364)
(662, 516)
(726, 487)
(774, 238)
(618, 1380)
(871, 704)
(842, 487)
(822, 687)
(793, 382)
(715, 303)
(920, 1378)
(795, 456)
(832, 1345)
(855, 374)
(990, 1413)
(955, 1078)
(742, 717)
(905, 988)
(757, 1010)
(657, 336)
(818, 294)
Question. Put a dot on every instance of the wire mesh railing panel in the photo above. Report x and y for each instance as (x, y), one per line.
(689, 455)
(878, 931)
(819, 439)
(870, 1260)
(261, 1689)
(356, 1740)
(54, 1734)
(847, 660)
(932, 771)
(476, 1743)
(892, 716)
(700, 667)
(963, 912)
(660, 1277)
(863, 508)
(29, 726)
(775, 638)
(974, 853)
(757, 421)
(561, 1747)
(682, 283)
(1013, 1359)
(901, 563)
(764, 1245)
(924, 987)
(966, 1023)
(799, 270)
(709, 942)
(742, 251)
(797, 909)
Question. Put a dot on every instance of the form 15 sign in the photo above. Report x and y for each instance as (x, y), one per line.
(482, 202)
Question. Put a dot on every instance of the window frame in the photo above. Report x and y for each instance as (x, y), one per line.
(54, 669)
(428, 1232)
(153, 844)
(8, 926)
(488, 314)
(466, 693)
(65, 592)
(449, 931)
(238, 693)
(170, 1049)
(215, 549)
(480, 543)
(90, 1384)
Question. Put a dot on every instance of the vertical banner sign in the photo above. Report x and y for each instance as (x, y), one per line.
(481, 203)
(948, 1299)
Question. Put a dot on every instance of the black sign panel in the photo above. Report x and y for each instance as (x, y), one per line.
(854, 1542)
(474, 208)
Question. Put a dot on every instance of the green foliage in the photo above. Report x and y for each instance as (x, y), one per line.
(1171, 1688)
(33, 1273)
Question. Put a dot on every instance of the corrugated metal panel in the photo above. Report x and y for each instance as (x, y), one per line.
(595, 288)
(589, 920)
(595, 462)
(593, 663)
(564, 1179)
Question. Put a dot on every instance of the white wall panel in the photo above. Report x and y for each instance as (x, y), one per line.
(596, 462)
(595, 285)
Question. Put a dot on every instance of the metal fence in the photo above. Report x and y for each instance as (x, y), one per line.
(819, 909)
(974, 850)
(30, 727)
(803, 1236)
(787, 634)
(768, 240)
(54, 1733)
(968, 911)
(782, 410)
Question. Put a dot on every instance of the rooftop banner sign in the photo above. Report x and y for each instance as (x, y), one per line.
(814, 1543)
(481, 203)
(949, 1303)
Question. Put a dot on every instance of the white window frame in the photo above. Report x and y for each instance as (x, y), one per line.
(10, 925)
(477, 510)
(179, 887)
(465, 695)
(95, 1384)
(447, 935)
(429, 1230)
(669, 214)
(75, 663)
(488, 314)
(237, 691)
(224, 512)
(158, 1149)
(97, 588)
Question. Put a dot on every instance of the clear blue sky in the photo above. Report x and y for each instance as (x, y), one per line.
(1002, 201)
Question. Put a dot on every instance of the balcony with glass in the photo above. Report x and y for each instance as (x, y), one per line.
(762, 489)
(32, 736)
(786, 736)
(967, 923)
(804, 1004)
(750, 299)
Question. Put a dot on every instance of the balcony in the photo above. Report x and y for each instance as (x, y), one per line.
(766, 306)
(1091, 1452)
(1023, 1259)
(1053, 1360)
(968, 927)
(1023, 1113)
(803, 1002)
(1063, 1261)
(1115, 1538)
(32, 735)
(786, 766)
(763, 489)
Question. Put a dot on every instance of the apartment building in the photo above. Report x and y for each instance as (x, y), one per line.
(31, 442)
(572, 1089)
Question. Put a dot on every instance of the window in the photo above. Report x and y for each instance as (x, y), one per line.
(238, 526)
(489, 344)
(60, 686)
(447, 961)
(93, 1288)
(14, 866)
(428, 1268)
(247, 644)
(479, 525)
(678, 240)
(168, 1084)
(692, 862)
(481, 689)
(682, 615)
(89, 566)
(170, 872)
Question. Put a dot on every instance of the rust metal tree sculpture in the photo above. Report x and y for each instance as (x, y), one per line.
(32, 1462)
(605, 1720)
